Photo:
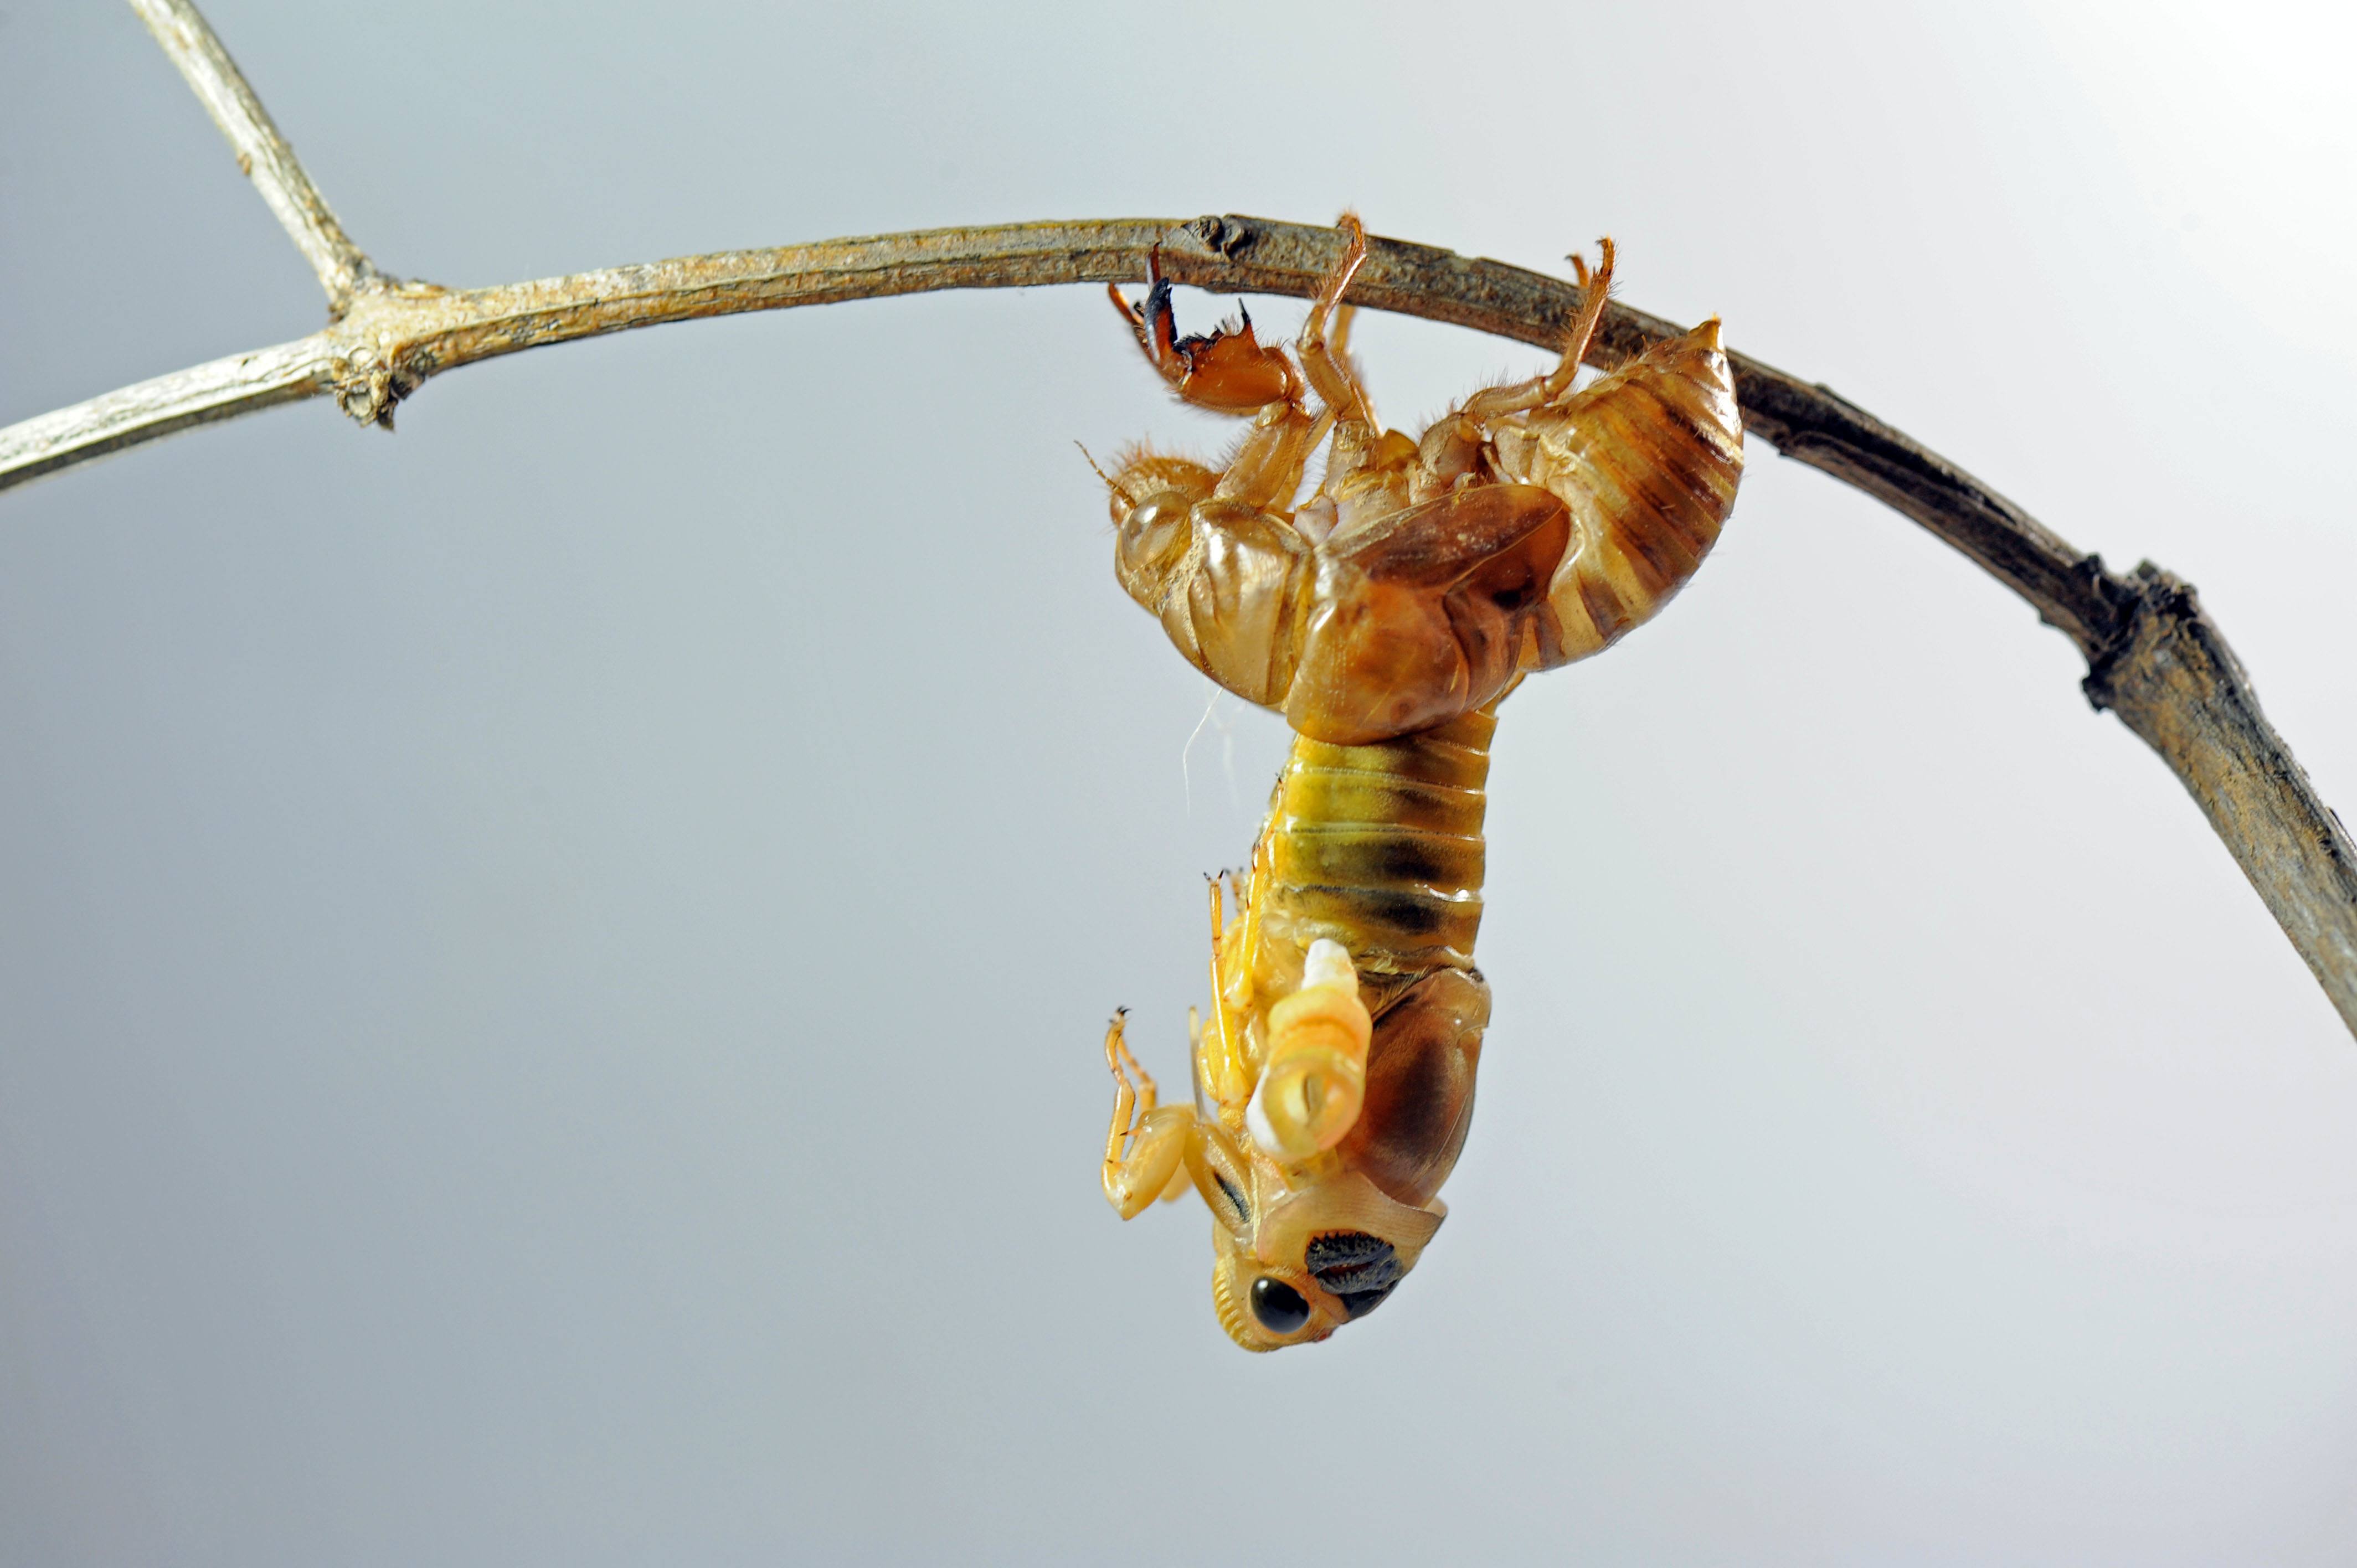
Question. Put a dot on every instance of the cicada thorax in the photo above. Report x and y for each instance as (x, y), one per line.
(1397, 625)
(1646, 459)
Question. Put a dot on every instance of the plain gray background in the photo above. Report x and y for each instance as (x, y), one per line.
(551, 964)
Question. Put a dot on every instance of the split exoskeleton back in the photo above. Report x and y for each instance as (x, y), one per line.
(1578, 521)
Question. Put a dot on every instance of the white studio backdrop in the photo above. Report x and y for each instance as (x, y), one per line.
(551, 964)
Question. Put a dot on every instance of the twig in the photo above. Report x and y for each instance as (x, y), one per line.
(261, 151)
(130, 415)
(2154, 657)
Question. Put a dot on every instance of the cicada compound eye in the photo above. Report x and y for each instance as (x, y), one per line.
(1277, 1306)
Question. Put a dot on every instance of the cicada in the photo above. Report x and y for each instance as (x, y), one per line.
(1385, 616)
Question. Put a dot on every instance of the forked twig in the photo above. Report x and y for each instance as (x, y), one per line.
(261, 151)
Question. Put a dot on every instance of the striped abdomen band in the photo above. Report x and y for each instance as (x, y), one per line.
(1380, 846)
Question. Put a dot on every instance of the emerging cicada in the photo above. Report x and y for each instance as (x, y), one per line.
(1384, 617)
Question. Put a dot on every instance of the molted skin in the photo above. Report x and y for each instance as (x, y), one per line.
(1386, 617)
(1531, 527)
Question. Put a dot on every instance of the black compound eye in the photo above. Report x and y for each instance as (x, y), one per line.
(1279, 1306)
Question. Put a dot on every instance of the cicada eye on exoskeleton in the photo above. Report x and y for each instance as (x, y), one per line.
(1321, 1191)
(1386, 617)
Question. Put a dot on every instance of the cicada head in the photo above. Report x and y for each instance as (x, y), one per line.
(1315, 1257)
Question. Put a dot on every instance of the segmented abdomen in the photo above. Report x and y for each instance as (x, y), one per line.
(1647, 460)
(1379, 847)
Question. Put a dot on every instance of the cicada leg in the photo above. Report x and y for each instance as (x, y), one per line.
(1366, 467)
(1227, 372)
(1220, 1062)
(1327, 365)
(1155, 1135)
(1451, 448)
(1267, 467)
(1595, 290)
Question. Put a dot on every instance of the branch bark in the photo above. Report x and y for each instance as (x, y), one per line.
(2154, 657)
(189, 39)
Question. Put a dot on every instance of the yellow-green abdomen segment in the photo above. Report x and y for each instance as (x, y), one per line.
(1379, 847)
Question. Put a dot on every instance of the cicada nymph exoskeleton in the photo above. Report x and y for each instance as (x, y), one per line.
(1384, 616)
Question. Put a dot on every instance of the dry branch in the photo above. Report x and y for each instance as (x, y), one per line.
(2153, 657)
(187, 38)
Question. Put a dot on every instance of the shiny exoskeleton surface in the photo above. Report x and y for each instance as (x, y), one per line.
(1384, 615)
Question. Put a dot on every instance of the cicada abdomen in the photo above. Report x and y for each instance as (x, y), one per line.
(1646, 460)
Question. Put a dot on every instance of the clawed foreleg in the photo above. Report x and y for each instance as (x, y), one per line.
(1228, 372)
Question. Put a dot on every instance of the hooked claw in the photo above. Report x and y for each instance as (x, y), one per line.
(1228, 371)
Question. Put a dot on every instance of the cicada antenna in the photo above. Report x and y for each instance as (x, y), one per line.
(1109, 481)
